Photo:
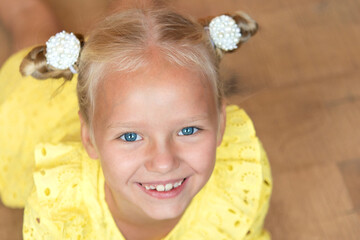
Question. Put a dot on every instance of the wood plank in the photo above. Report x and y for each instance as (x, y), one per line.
(351, 174)
(80, 15)
(312, 203)
(5, 44)
(298, 44)
(10, 223)
(307, 124)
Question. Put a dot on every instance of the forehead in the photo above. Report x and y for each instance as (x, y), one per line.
(158, 86)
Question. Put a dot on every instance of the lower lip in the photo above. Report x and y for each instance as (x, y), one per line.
(165, 194)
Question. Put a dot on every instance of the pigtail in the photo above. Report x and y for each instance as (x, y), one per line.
(248, 28)
(247, 25)
(35, 64)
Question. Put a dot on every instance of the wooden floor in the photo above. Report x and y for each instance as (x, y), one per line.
(299, 80)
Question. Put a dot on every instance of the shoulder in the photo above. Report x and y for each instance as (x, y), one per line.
(242, 175)
(31, 111)
(46, 109)
(56, 168)
(8, 71)
(240, 145)
(56, 208)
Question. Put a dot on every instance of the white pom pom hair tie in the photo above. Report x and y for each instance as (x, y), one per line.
(63, 50)
(224, 32)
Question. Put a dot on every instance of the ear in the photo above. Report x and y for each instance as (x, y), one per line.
(222, 123)
(86, 139)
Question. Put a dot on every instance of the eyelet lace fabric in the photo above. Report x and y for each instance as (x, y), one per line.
(44, 166)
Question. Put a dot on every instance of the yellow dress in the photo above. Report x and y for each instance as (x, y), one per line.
(44, 167)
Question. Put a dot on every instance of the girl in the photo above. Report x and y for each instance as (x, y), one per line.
(161, 157)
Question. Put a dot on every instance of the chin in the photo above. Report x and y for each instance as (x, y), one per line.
(165, 212)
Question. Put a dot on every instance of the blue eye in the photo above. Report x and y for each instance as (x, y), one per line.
(188, 131)
(130, 137)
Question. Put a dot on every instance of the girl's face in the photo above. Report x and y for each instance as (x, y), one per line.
(156, 133)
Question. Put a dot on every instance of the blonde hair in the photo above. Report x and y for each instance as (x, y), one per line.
(125, 40)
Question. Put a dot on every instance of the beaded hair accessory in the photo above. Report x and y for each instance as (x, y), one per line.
(62, 51)
(224, 32)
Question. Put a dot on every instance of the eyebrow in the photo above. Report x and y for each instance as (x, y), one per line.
(132, 123)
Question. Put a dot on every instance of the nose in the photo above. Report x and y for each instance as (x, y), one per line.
(162, 158)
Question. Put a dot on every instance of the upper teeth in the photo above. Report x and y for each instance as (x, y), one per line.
(162, 188)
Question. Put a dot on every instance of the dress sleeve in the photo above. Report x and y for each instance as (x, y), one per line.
(54, 209)
(37, 223)
(31, 111)
(257, 231)
(241, 156)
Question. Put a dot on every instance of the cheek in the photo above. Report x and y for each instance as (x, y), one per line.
(118, 164)
(201, 156)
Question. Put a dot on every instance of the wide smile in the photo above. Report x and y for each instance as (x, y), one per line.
(164, 190)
